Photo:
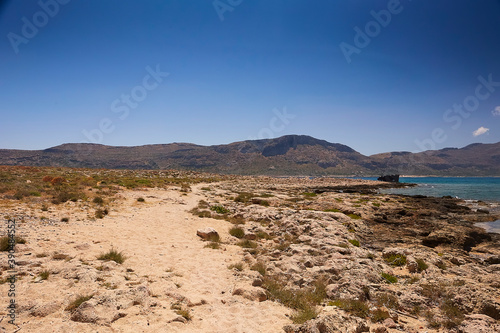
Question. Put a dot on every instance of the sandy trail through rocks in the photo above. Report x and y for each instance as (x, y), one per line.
(159, 239)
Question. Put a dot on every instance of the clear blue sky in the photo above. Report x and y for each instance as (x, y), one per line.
(87, 66)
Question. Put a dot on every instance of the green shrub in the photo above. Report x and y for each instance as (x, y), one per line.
(238, 266)
(452, 313)
(4, 242)
(259, 267)
(64, 196)
(389, 278)
(388, 300)
(244, 197)
(263, 235)
(422, 266)
(354, 242)
(303, 300)
(44, 275)
(354, 216)
(441, 265)
(356, 307)
(395, 259)
(219, 209)
(213, 245)
(257, 201)
(184, 313)
(303, 315)
(247, 244)
(141, 199)
(98, 200)
(379, 315)
(237, 232)
(65, 219)
(80, 299)
(113, 255)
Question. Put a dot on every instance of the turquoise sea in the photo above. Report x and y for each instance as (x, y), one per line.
(468, 188)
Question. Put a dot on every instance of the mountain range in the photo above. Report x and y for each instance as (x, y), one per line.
(283, 156)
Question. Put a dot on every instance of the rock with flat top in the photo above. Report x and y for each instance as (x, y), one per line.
(207, 233)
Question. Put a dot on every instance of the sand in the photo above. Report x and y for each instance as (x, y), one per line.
(158, 237)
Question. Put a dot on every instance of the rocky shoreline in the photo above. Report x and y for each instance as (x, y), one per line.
(404, 262)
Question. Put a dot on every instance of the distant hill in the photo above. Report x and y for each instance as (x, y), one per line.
(287, 155)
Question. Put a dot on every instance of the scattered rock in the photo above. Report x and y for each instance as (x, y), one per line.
(380, 329)
(330, 323)
(493, 260)
(251, 293)
(207, 233)
(85, 313)
(257, 282)
(82, 247)
(45, 309)
(179, 319)
(389, 323)
(478, 323)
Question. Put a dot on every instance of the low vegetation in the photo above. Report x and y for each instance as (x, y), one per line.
(356, 307)
(6, 242)
(259, 267)
(247, 244)
(354, 242)
(237, 266)
(44, 275)
(219, 209)
(421, 265)
(237, 232)
(112, 255)
(389, 278)
(80, 299)
(303, 301)
(395, 259)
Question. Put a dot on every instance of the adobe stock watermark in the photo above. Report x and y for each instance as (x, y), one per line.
(122, 106)
(454, 116)
(30, 27)
(373, 28)
(277, 124)
(11, 280)
(223, 6)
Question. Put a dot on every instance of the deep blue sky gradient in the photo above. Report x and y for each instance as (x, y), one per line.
(226, 77)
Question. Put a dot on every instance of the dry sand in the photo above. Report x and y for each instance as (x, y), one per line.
(163, 253)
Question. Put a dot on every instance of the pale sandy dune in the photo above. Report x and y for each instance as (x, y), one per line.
(159, 239)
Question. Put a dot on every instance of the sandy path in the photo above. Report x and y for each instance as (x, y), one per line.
(159, 239)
